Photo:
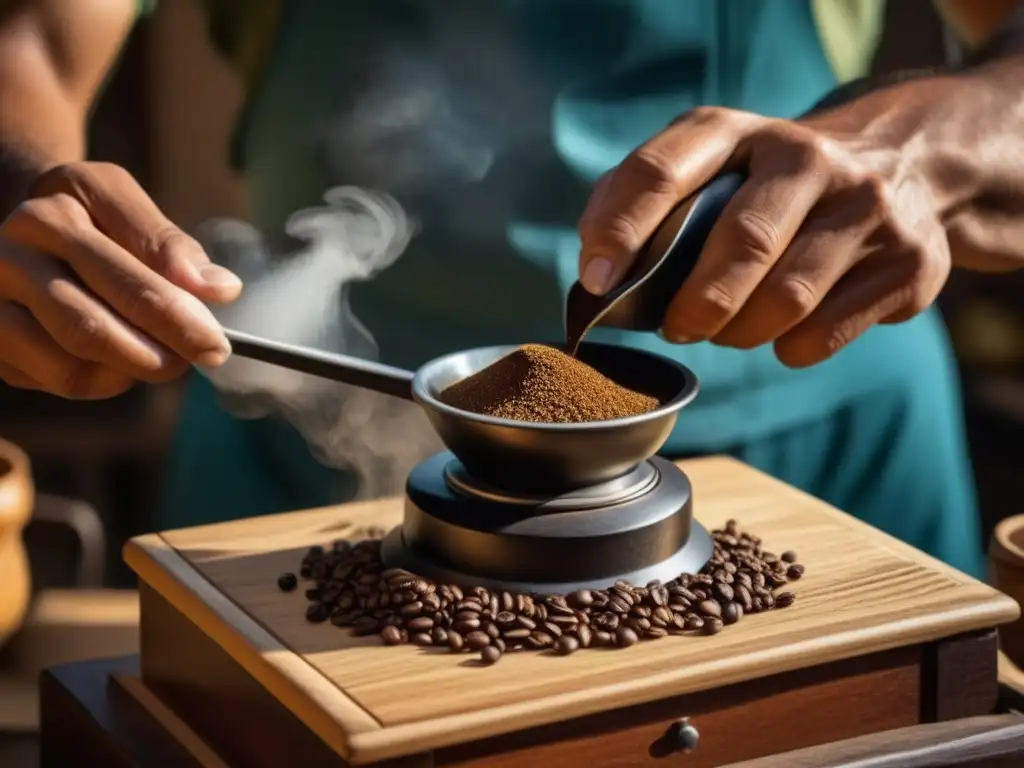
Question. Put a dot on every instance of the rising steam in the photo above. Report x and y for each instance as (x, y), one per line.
(300, 295)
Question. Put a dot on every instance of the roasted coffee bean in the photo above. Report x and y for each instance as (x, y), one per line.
(723, 592)
(411, 610)
(566, 644)
(731, 613)
(476, 640)
(526, 623)
(317, 612)
(584, 634)
(551, 628)
(354, 589)
(391, 635)
(367, 625)
(784, 599)
(540, 639)
(625, 637)
(710, 608)
(490, 655)
(581, 598)
(465, 626)
(712, 625)
(618, 605)
(287, 582)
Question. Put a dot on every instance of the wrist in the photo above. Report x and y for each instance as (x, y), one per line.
(20, 167)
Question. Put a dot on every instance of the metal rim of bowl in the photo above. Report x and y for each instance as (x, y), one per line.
(686, 395)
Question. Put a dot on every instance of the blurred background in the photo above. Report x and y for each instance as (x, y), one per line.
(167, 119)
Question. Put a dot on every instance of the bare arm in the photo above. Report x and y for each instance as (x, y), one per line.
(54, 56)
(98, 289)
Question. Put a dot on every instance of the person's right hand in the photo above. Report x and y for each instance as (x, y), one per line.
(99, 290)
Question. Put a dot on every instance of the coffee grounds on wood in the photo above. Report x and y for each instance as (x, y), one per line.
(543, 384)
(353, 589)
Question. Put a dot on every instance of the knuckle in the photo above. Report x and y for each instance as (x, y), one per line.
(618, 233)
(169, 243)
(650, 170)
(86, 336)
(757, 236)
(874, 193)
(713, 306)
(705, 115)
(795, 297)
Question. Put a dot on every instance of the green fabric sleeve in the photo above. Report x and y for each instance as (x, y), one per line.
(145, 7)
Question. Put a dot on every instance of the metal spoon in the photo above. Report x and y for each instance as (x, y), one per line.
(640, 301)
(526, 456)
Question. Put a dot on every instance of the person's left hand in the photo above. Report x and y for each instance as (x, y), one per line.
(837, 228)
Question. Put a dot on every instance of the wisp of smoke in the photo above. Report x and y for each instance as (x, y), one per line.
(301, 296)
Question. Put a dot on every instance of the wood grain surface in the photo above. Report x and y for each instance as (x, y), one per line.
(863, 592)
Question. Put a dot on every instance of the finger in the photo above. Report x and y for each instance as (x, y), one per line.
(124, 212)
(824, 250)
(25, 345)
(648, 184)
(165, 312)
(12, 377)
(79, 321)
(876, 288)
(752, 233)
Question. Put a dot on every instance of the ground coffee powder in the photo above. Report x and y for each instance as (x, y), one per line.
(352, 588)
(543, 384)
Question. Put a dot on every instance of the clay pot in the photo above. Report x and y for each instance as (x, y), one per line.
(17, 497)
(1006, 566)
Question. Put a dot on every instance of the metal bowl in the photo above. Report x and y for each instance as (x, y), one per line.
(544, 458)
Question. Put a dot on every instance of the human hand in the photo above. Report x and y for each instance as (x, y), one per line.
(838, 226)
(99, 290)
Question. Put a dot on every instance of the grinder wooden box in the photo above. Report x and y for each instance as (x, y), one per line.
(881, 637)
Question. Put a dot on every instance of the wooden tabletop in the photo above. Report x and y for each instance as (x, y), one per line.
(863, 592)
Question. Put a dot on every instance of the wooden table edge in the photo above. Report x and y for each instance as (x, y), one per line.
(355, 733)
(287, 676)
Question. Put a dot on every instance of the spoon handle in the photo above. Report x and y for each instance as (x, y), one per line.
(366, 374)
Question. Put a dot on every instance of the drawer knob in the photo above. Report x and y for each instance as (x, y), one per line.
(684, 735)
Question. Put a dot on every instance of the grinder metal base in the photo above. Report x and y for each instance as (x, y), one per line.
(637, 528)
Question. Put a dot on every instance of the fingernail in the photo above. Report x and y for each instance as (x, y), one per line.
(597, 275)
(673, 337)
(214, 358)
(217, 276)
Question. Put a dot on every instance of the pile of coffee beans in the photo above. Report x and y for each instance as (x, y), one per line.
(543, 384)
(353, 589)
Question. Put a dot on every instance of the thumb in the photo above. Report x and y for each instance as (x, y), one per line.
(122, 210)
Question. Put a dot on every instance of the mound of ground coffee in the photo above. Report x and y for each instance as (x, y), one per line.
(543, 384)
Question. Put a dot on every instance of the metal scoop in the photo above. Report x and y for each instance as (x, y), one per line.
(515, 455)
(640, 301)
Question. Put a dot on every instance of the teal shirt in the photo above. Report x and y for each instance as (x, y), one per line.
(557, 92)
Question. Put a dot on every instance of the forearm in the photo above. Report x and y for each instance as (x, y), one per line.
(54, 54)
